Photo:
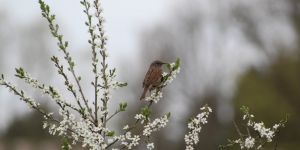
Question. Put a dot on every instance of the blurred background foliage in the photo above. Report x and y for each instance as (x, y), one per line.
(233, 54)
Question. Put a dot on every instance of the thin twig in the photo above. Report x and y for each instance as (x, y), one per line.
(117, 111)
(277, 139)
(241, 135)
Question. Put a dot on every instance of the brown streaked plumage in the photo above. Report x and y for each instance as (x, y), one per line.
(153, 77)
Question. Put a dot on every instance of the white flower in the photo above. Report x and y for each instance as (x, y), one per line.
(150, 146)
(147, 131)
(189, 147)
(259, 147)
(139, 116)
(249, 142)
(275, 126)
(126, 127)
(178, 70)
(110, 141)
(164, 74)
(258, 126)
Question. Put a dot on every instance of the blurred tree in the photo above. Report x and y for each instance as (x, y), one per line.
(23, 46)
(270, 95)
(216, 42)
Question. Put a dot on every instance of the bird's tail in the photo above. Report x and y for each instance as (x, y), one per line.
(144, 93)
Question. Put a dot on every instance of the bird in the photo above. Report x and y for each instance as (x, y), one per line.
(153, 77)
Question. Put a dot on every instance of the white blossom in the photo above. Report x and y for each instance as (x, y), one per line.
(126, 127)
(150, 146)
(195, 127)
(249, 142)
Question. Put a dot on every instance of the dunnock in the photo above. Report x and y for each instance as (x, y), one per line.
(153, 77)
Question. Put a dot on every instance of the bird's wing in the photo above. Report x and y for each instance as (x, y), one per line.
(152, 75)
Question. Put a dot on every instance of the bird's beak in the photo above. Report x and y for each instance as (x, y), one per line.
(163, 63)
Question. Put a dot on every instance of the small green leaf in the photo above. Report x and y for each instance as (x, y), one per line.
(168, 66)
(79, 78)
(66, 43)
(111, 133)
(177, 63)
(48, 8)
(125, 105)
(191, 119)
(64, 144)
(168, 115)
(287, 116)
(229, 141)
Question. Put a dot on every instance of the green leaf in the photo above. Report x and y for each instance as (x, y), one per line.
(47, 8)
(191, 119)
(168, 66)
(221, 147)
(177, 63)
(168, 115)
(64, 144)
(79, 78)
(287, 116)
(146, 111)
(66, 43)
(111, 133)
(125, 105)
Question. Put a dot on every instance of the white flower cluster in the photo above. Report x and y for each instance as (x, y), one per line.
(148, 129)
(155, 96)
(96, 7)
(249, 142)
(83, 131)
(29, 101)
(155, 125)
(264, 132)
(12, 88)
(55, 95)
(172, 73)
(260, 128)
(28, 79)
(111, 84)
(195, 127)
(133, 141)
